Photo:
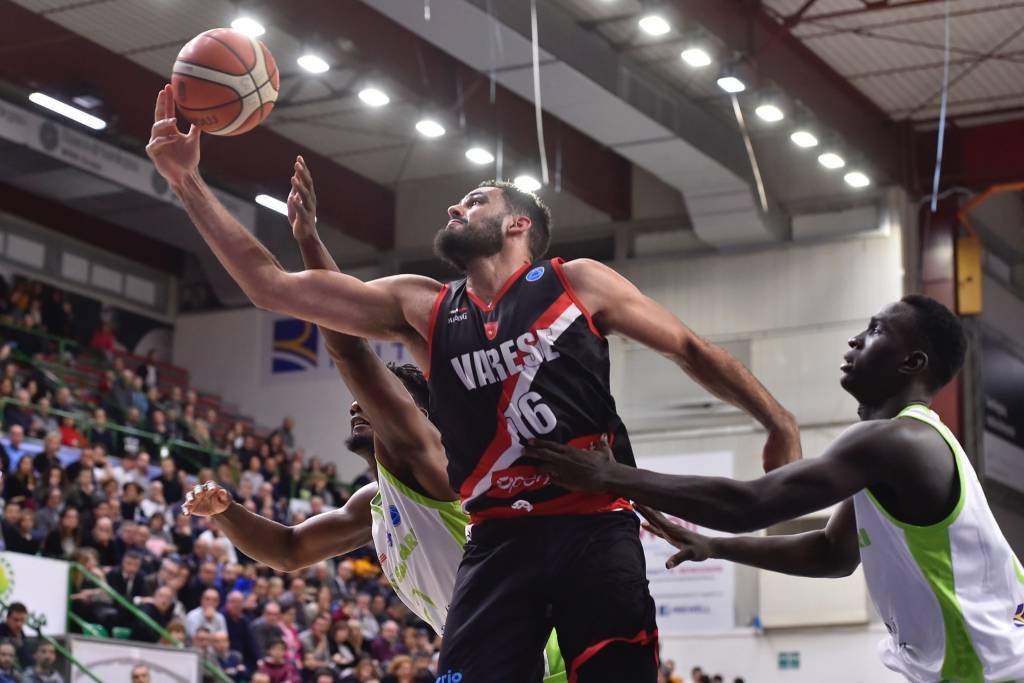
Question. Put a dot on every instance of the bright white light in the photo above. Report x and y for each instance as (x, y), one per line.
(430, 128)
(272, 203)
(769, 113)
(479, 155)
(696, 57)
(67, 110)
(831, 160)
(731, 84)
(248, 26)
(527, 183)
(655, 25)
(856, 179)
(314, 64)
(374, 97)
(803, 138)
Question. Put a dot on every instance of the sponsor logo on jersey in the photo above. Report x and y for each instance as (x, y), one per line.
(491, 329)
(396, 518)
(517, 480)
(457, 315)
(489, 366)
(863, 540)
(450, 677)
(382, 558)
(1018, 617)
(524, 505)
(535, 274)
(391, 540)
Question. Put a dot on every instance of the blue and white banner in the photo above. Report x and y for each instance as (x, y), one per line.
(694, 596)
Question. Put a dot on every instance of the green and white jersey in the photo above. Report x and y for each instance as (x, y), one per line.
(419, 544)
(951, 594)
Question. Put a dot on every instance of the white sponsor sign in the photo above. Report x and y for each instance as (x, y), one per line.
(113, 660)
(92, 154)
(40, 584)
(694, 596)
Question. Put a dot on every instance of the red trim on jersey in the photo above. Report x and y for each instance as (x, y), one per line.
(644, 638)
(433, 323)
(487, 308)
(577, 503)
(502, 439)
(556, 265)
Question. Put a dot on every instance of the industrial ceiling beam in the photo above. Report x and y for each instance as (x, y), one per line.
(40, 54)
(974, 157)
(590, 171)
(776, 55)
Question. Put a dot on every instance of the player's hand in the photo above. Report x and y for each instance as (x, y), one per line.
(573, 468)
(174, 154)
(782, 446)
(302, 202)
(692, 546)
(206, 500)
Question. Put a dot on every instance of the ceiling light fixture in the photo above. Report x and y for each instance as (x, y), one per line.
(857, 179)
(374, 97)
(312, 63)
(527, 183)
(831, 161)
(430, 128)
(66, 110)
(248, 26)
(479, 155)
(654, 25)
(272, 203)
(770, 113)
(731, 84)
(696, 57)
(803, 138)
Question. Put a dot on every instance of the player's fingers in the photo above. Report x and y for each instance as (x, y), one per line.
(194, 132)
(653, 529)
(186, 510)
(682, 556)
(307, 196)
(169, 101)
(159, 113)
(653, 516)
(307, 177)
(156, 144)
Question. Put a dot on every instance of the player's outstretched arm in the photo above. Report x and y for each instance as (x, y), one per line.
(286, 548)
(618, 306)
(397, 420)
(859, 458)
(333, 299)
(829, 552)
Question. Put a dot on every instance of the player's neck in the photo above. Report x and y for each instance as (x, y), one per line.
(891, 407)
(486, 276)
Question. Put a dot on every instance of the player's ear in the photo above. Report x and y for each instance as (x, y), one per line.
(915, 363)
(520, 224)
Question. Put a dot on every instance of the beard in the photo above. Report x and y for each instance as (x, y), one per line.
(360, 443)
(459, 247)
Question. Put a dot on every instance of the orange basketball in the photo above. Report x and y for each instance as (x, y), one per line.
(225, 82)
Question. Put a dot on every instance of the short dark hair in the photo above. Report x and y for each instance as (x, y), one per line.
(529, 205)
(414, 381)
(17, 608)
(939, 332)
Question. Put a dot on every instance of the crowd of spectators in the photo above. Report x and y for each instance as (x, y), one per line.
(77, 487)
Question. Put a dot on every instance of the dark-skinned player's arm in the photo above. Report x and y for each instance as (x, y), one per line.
(396, 308)
(830, 552)
(617, 305)
(397, 421)
(286, 548)
(859, 458)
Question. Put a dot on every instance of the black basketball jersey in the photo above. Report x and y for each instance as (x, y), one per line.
(530, 364)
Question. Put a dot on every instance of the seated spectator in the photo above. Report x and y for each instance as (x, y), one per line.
(386, 646)
(230, 661)
(342, 653)
(315, 638)
(22, 483)
(364, 672)
(70, 435)
(86, 461)
(277, 666)
(53, 478)
(127, 579)
(149, 371)
(12, 631)
(21, 537)
(139, 399)
(158, 425)
(324, 675)
(267, 629)
(15, 449)
(64, 401)
(19, 413)
(8, 660)
(103, 339)
(154, 503)
(43, 423)
(48, 458)
(48, 516)
(239, 629)
(181, 534)
(101, 539)
(206, 614)
(176, 629)
(100, 432)
(173, 404)
(161, 610)
(128, 470)
(88, 599)
(401, 670)
(62, 542)
(83, 494)
(131, 497)
(159, 537)
(44, 669)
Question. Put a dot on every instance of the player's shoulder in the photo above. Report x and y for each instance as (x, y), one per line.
(888, 437)
(406, 283)
(586, 272)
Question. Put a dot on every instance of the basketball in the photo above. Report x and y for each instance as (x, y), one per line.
(225, 82)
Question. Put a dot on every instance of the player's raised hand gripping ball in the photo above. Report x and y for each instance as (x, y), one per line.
(225, 82)
(206, 500)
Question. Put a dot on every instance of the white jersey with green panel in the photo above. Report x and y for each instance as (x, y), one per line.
(419, 543)
(951, 594)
